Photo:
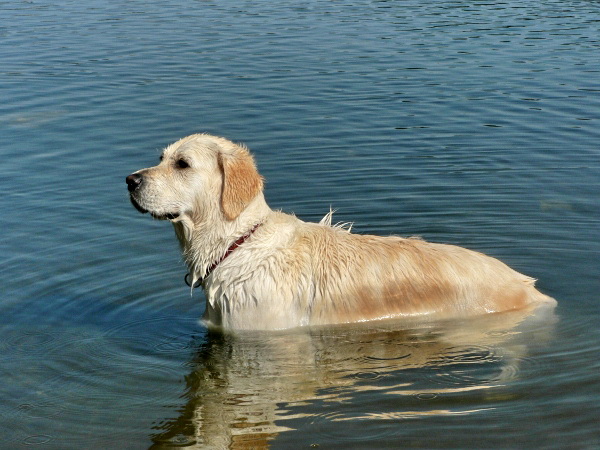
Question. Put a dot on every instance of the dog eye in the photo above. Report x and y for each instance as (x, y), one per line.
(182, 164)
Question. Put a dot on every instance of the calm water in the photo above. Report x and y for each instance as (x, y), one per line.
(474, 123)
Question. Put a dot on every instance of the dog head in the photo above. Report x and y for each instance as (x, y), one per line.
(199, 176)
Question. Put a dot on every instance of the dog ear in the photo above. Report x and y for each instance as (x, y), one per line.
(241, 182)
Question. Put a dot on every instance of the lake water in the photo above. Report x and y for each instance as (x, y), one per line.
(473, 123)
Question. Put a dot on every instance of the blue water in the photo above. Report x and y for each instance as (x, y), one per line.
(473, 123)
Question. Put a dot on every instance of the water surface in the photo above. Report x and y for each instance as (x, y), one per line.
(472, 123)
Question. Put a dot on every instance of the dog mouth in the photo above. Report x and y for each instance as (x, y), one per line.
(168, 216)
(164, 216)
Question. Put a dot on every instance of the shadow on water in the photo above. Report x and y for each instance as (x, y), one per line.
(244, 391)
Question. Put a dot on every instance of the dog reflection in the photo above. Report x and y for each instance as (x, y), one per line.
(244, 389)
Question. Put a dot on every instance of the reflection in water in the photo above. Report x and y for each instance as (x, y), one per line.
(247, 389)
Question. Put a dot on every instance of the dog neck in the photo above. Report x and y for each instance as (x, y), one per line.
(205, 241)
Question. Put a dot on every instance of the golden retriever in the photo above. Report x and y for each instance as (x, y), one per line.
(263, 269)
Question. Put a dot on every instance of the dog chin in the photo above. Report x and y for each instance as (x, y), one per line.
(156, 215)
(137, 205)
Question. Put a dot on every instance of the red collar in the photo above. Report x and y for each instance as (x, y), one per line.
(229, 251)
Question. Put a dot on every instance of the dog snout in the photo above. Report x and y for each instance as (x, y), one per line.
(133, 181)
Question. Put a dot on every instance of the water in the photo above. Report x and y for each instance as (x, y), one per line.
(474, 123)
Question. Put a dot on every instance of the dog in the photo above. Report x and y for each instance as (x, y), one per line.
(266, 270)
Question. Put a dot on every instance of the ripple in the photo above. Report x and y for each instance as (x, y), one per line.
(170, 346)
(142, 338)
(61, 394)
(178, 441)
(471, 355)
(141, 327)
(469, 367)
(427, 395)
(29, 340)
(135, 363)
(37, 439)
(40, 410)
(369, 376)
(328, 425)
(106, 388)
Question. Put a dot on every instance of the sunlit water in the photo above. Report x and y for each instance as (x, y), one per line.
(473, 123)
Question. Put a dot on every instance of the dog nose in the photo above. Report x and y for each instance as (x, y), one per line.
(133, 181)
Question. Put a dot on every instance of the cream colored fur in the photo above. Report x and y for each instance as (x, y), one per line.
(291, 273)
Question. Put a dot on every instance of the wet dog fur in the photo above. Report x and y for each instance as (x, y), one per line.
(289, 273)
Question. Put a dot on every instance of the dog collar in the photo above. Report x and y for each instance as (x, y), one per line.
(229, 251)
